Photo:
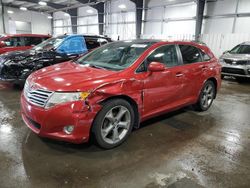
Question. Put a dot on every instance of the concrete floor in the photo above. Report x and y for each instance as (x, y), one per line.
(180, 149)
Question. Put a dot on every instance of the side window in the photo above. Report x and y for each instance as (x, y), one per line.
(190, 54)
(35, 41)
(27, 41)
(205, 57)
(165, 54)
(73, 45)
(102, 41)
(92, 43)
(14, 42)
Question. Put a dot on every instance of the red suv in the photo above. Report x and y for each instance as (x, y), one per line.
(110, 90)
(20, 42)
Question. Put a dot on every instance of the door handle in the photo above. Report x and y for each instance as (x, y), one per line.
(179, 74)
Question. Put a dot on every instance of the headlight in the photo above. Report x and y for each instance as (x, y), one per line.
(59, 98)
(221, 61)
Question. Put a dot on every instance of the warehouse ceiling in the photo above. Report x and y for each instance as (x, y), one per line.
(54, 5)
(47, 5)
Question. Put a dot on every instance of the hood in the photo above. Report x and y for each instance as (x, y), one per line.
(71, 77)
(17, 55)
(26, 56)
(236, 57)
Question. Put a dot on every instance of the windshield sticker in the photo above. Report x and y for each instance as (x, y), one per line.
(139, 45)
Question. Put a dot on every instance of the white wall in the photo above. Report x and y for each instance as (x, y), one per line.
(120, 22)
(87, 21)
(62, 23)
(40, 24)
(166, 21)
(221, 33)
(226, 25)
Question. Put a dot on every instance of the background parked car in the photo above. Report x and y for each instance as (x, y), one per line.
(17, 66)
(17, 42)
(236, 62)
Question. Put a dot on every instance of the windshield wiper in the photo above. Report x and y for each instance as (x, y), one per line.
(97, 67)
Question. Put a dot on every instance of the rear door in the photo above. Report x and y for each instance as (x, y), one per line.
(194, 71)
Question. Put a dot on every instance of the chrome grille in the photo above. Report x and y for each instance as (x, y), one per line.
(235, 62)
(38, 97)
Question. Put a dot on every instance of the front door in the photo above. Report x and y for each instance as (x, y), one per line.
(162, 90)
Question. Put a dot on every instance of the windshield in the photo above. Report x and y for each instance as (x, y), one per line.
(49, 44)
(115, 56)
(241, 49)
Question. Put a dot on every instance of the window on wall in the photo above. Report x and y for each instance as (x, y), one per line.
(88, 24)
(120, 23)
(62, 26)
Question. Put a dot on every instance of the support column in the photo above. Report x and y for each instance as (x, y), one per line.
(3, 20)
(73, 16)
(100, 9)
(139, 11)
(199, 18)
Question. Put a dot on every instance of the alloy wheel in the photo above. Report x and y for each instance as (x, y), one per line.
(116, 124)
(207, 96)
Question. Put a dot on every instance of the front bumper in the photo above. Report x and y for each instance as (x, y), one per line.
(236, 70)
(50, 122)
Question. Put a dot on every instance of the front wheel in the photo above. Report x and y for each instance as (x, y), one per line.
(206, 96)
(113, 123)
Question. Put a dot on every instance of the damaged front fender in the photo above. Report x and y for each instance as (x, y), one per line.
(128, 89)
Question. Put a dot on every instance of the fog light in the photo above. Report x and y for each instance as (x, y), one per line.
(68, 129)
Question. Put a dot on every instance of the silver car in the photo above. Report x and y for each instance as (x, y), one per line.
(236, 62)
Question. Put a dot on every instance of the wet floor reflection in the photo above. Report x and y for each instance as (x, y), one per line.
(201, 149)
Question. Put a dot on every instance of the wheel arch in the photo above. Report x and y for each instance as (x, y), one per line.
(131, 101)
(215, 84)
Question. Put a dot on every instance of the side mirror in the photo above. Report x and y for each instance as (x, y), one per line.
(156, 67)
(2, 44)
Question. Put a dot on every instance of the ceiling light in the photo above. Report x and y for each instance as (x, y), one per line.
(122, 6)
(42, 3)
(90, 11)
(50, 17)
(10, 12)
(23, 8)
(66, 14)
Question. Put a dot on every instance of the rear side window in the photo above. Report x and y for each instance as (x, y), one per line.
(14, 42)
(190, 54)
(92, 43)
(32, 41)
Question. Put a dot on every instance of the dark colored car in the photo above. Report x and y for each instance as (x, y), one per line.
(112, 89)
(16, 66)
(17, 42)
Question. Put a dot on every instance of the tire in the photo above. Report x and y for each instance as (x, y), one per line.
(113, 123)
(206, 96)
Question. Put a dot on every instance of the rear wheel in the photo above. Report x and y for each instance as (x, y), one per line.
(114, 123)
(206, 96)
